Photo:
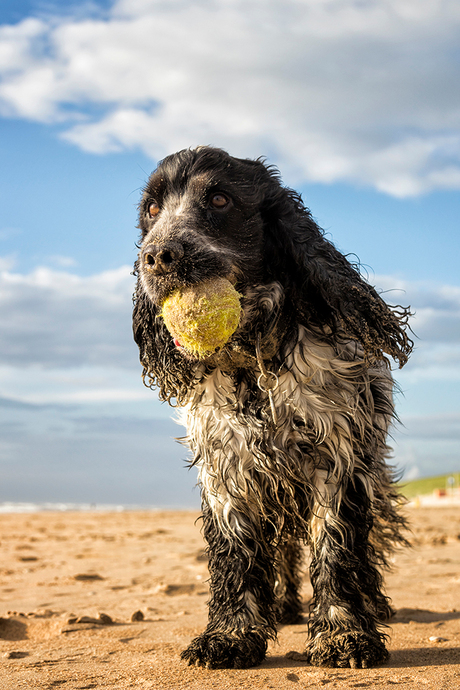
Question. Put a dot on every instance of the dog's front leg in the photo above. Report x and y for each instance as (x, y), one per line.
(347, 586)
(241, 607)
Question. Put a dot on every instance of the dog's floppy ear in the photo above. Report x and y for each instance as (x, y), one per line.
(325, 288)
(164, 367)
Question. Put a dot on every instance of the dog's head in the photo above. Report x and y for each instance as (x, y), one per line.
(204, 214)
(200, 217)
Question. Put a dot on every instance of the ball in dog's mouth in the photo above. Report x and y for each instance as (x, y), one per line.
(202, 317)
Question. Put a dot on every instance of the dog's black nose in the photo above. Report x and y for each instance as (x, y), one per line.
(162, 258)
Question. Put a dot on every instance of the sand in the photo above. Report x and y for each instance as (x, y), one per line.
(108, 600)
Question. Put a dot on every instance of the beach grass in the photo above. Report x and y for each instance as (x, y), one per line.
(427, 485)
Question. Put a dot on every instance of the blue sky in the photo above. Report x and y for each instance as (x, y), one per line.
(358, 105)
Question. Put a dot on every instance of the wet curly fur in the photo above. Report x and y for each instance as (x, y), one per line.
(309, 465)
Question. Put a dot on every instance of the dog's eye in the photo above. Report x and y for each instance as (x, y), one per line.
(153, 209)
(219, 201)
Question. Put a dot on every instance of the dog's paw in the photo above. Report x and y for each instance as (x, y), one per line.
(352, 649)
(217, 650)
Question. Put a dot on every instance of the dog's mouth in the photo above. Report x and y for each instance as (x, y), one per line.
(183, 350)
(192, 356)
(203, 318)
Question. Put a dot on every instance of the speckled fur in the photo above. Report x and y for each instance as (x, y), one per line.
(316, 473)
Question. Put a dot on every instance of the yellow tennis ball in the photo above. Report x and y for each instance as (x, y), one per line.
(202, 317)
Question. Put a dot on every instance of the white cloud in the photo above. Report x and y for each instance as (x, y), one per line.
(67, 339)
(6, 263)
(365, 92)
(436, 308)
(446, 427)
(436, 328)
(76, 385)
(55, 319)
(79, 455)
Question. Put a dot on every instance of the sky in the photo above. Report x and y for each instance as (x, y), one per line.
(356, 102)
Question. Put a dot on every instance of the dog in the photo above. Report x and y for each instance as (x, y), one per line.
(288, 421)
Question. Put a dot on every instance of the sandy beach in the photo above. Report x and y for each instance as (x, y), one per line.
(109, 599)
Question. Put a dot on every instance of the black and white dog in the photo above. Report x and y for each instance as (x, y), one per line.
(288, 421)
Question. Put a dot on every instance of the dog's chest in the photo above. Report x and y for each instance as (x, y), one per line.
(233, 427)
(322, 401)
